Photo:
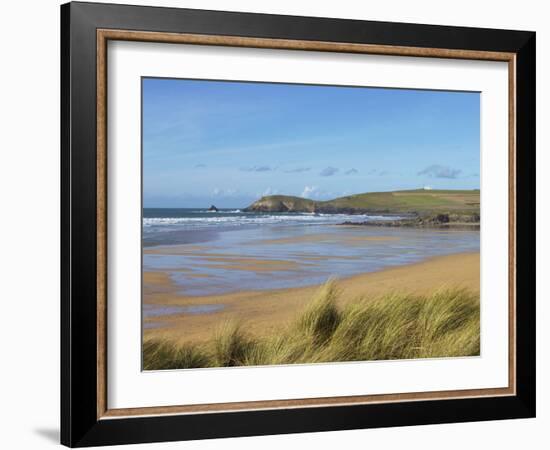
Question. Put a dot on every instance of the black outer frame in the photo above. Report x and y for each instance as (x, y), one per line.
(79, 423)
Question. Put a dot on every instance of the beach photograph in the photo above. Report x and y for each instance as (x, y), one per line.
(302, 224)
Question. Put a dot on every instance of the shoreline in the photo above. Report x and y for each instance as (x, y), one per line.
(264, 311)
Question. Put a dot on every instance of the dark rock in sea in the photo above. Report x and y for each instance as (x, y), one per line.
(213, 208)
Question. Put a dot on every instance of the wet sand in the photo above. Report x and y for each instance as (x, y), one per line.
(325, 237)
(263, 312)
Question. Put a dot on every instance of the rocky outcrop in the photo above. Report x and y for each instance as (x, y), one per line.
(276, 203)
(284, 203)
(467, 221)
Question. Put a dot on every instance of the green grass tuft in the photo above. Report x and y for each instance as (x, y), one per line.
(230, 346)
(159, 355)
(321, 317)
(394, 326)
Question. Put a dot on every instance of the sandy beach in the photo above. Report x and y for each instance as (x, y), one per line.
(195, 318)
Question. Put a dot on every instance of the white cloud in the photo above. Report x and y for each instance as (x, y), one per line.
(217, 192)
(308, 191)
(312, 192)
(269, 191)
(315, 193)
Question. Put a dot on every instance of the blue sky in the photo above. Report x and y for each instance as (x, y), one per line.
(229, 143)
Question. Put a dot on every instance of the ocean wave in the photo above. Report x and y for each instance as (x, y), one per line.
(254, 219)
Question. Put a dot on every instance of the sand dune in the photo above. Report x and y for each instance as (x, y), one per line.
(265, 311)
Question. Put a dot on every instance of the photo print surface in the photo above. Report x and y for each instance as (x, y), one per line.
(299, 224)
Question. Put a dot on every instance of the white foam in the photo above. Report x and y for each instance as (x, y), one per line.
(250, 219)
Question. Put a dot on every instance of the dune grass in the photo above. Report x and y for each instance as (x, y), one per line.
(394, 326)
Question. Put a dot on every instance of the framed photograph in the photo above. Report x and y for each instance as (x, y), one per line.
(277, 224)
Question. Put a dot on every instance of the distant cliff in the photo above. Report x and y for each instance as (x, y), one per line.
(417, 202)
(282, 203)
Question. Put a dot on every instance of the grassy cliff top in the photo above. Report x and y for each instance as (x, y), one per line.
(413, 201)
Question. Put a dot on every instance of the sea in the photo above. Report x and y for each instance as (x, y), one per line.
(212, 253)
